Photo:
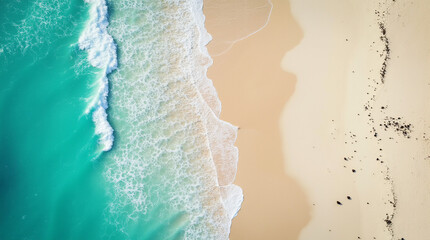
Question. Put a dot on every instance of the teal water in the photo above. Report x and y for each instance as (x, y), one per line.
(51, 188)
(169, 172)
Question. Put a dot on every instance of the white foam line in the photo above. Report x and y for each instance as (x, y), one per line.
(101, 50)
(232, 195)
(247, 36)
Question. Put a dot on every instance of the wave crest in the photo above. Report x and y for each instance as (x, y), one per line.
(101, 50)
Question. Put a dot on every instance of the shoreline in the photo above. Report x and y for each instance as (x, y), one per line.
(228, 29)
(253, 89)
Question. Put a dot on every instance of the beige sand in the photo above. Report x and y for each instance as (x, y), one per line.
(253, 90)
(338, 65)
(233, 21)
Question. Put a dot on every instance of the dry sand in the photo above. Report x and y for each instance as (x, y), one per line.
(355, 155)
(345, 115)
(254, 89)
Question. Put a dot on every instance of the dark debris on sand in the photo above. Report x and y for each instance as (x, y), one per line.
(398, 125)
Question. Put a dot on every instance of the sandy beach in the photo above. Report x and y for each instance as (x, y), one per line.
(253, 90)
(329, 143)
(356, 124)
(332, 100)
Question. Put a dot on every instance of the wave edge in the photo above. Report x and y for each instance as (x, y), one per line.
(101, 49)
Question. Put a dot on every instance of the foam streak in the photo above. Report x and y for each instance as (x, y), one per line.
(101, 50)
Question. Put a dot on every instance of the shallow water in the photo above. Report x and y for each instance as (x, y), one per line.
(47, 144)
(170, 169)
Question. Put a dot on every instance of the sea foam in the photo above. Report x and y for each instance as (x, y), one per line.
(222, 135)
(175, 162)
(101, 50)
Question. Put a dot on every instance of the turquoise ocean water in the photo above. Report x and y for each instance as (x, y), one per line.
(111, 131)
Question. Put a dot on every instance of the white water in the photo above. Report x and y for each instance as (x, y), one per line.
(174, 157)
(101, 50)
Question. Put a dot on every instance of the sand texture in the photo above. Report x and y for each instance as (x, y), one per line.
(357, 122)
(332, 100)
(253, 90)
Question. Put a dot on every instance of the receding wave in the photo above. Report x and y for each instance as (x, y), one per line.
(174, 158)
(101, 50)
(232, 21)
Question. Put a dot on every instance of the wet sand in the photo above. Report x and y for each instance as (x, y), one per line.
(253, 90)
(333, 108)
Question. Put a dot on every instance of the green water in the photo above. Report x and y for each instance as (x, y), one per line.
(159, 180)
(50, 177)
